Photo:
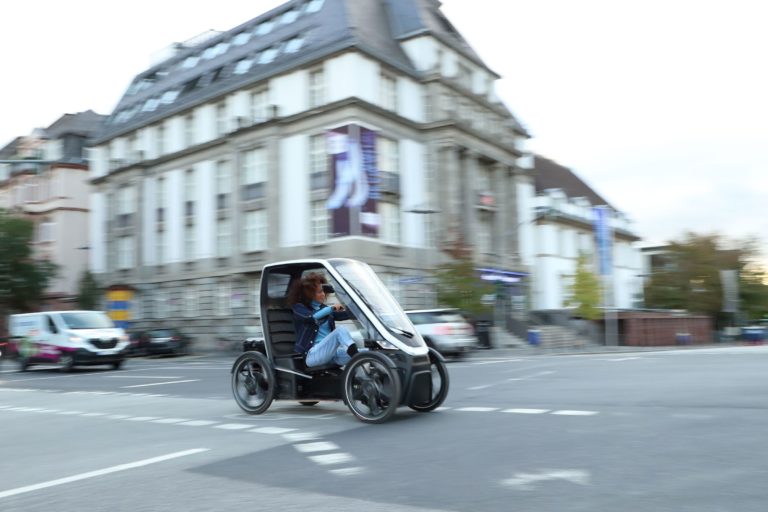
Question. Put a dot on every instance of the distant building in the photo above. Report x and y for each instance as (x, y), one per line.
(561, 225)
(365, 128)
(49, 184)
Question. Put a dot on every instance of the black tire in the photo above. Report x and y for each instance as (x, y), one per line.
(23, 363)
(117, 365)
(66, 362)
(309, 404)
(371, 387)
(253, 382)
(440, 383)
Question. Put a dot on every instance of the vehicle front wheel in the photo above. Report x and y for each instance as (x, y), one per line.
(439, 384)
(117, 365)
(253, 382)
(66, 362)
(371, 387)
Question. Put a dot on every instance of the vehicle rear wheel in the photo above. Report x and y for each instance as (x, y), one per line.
(439, 385)
(253, 382)
(309, 404)
(371, 387)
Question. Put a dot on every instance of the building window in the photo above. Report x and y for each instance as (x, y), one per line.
(223, 184)
(221, 119)
(388, 92)
(160, 198)
(390, 223)
(256, 231)
(316, 88)
(124, 252)
(223, 238)
(259, 105)
(189, 242)
(388, 163)
(223, 293)
(189, 130)
(254, 174)
(464, 76)
(320, 222)
(319, 177)
(189, 193)
(125, 201)
(160, 140)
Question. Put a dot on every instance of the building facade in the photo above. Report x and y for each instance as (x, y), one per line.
(45, 178)
(353, 128)
(561, 226)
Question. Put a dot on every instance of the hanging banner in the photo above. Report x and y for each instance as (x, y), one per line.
(603, 238)
(353, 201)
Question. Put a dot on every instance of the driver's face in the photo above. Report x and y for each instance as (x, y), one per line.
(320, 294)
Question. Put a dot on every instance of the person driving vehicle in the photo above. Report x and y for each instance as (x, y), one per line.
(315, 323)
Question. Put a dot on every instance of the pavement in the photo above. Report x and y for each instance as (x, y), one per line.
(593, 348)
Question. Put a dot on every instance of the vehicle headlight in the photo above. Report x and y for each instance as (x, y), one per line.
(386, 345)
(124, 337)
(75, 339)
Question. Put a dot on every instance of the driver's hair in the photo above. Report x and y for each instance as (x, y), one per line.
(303, 290)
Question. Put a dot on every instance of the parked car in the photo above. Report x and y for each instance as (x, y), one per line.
(446, 330)
(160, 341)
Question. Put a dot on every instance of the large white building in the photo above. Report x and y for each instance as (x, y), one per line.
(361, 128)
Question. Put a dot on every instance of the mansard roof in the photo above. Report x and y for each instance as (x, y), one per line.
(85, 124)
(292, 35)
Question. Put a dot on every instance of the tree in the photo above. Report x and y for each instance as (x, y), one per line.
(23, 279)
(459, 286)
(689, 276)
(89, 292)
(585, 291)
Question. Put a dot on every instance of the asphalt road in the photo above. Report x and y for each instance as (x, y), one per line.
(678, 430)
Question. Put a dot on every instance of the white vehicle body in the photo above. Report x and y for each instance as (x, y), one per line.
(69, 338)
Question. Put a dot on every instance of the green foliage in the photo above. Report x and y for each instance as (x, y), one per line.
(89, 292)
(585, 291)
(459, 286)
(23, 280)
(689, 276)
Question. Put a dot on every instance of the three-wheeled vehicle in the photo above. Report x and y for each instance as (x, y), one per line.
(396, 369)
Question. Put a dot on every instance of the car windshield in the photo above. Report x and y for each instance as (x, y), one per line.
(377, 297)
(87, 320)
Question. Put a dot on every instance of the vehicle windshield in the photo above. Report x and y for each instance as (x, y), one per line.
(87, 320)
(368, 285)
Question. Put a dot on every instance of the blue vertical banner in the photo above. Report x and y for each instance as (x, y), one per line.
(603, 238)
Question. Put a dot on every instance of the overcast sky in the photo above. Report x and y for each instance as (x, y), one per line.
(660, 105)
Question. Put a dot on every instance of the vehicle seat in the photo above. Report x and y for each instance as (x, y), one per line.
(283, 340)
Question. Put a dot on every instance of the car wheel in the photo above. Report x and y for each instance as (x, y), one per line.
(439, 385)
(66, 362)
(309, 404)
(23, 363)
(371, 387)
(117, 365)
(253, 382)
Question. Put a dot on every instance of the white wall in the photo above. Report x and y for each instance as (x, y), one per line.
(290, 93)
(351, 75)
(174, 215)
(410, 100)
(205, 174)
(97, 227)
(422, 51)
(149, 203)
(294, 211)
(413, 189)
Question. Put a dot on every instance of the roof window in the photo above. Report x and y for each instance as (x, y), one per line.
(314, 6)
(169, 97)
(191, 61)
(268, 55)
(150, 105)
(293, 45)
(243, 66)
(289, 16)
(264, 28)
(241, 38)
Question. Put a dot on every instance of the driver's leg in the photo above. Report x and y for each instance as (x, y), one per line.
(324, 351)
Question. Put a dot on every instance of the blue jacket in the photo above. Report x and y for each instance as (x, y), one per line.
(306, 325)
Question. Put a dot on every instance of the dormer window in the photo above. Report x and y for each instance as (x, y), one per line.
(314, 5)
(289, 16)
(190, 62)
(264, 28)
(294, 45)
(241, 38)
(268, 55)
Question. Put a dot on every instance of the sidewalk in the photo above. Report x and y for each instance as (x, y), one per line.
(531, 350)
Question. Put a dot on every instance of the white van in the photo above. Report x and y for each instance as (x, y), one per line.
(67, 338)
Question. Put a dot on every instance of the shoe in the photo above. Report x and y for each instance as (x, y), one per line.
(352, 350)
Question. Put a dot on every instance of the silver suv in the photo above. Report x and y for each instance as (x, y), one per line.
(444, 329)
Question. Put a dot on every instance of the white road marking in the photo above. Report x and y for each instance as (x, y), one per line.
(523, 481)
(298, 437)
(118, 416)
(622, 359)
(168, 421)
(233, 426)
(198, 423)
(477, 409)
(99, 472)
(347, 471)
(271, 430)
(93, 414)
(526, 411)
(321, 446)
(476, 388)
(160, 383)
(574, 413)
(331, 458)
(166, 377)
(143, 418)
(497, 361)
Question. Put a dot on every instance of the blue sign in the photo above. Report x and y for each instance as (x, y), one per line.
(603, 238)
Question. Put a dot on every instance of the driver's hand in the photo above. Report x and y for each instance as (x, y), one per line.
(338, 307)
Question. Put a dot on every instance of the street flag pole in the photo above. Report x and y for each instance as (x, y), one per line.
(604, 243)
